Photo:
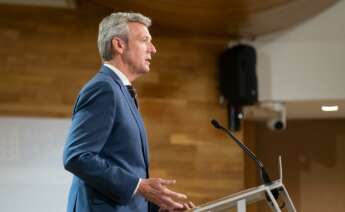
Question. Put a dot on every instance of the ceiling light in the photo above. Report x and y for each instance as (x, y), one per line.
(329, 108)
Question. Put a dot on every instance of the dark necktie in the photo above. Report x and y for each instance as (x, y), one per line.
(133, 93)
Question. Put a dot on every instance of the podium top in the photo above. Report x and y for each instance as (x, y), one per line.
(251, 195)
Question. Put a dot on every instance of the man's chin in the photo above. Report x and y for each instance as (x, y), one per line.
(143, 71)
(146, 70)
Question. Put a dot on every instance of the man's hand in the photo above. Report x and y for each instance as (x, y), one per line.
(186, 206)
(155, 190)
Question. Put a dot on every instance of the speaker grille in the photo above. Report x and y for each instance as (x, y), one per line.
(237, 75)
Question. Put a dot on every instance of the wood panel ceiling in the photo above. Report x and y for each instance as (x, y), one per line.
(221, 18)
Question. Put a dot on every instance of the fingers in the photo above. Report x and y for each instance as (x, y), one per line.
(162, 187)
(171, 198)
(186, 206)
(167, 182)
(170, 203)
(156, 191)
(189, 205)
(174, 194)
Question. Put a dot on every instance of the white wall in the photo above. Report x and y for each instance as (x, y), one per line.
(306, 62)
(32, 177)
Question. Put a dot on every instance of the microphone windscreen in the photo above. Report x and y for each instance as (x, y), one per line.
(216, 124)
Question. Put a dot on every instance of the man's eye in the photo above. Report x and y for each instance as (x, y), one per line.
(146, 39)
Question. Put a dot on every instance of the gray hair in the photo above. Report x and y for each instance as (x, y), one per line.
(116, 25)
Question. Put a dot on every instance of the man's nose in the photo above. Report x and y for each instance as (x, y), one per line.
(153, 49)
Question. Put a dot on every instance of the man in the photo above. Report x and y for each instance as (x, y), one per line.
(106, 149)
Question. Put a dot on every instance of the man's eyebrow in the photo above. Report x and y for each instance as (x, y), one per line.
(147, 37)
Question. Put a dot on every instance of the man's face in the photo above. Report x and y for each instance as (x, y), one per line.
(139, 49)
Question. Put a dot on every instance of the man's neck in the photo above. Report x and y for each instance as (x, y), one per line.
(123, 68)
(122, 77)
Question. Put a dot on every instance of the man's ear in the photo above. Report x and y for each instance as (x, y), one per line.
(118, 45)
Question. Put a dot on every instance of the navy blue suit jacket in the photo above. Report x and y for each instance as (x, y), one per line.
(106, 148)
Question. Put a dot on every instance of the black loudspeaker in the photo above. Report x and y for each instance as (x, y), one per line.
(237, 75)
(238, 81)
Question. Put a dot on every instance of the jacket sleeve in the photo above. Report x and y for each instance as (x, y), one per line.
(92, 122)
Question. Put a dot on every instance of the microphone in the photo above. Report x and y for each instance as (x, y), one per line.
(263, 173)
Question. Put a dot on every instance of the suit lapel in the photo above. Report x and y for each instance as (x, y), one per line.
(133, 109)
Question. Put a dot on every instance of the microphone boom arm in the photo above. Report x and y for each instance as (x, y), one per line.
(263, 173)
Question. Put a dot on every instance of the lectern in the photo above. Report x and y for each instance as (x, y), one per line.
(270, 193)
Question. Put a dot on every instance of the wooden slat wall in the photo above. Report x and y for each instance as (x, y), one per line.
(46, 56)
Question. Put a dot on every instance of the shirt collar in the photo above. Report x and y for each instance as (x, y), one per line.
(122, 77)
